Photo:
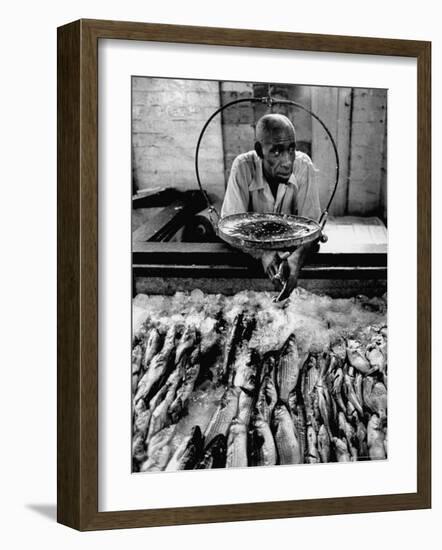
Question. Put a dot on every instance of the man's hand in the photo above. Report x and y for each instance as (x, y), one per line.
(271, 264)
(293, 266)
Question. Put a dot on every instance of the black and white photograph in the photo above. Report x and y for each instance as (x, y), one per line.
(259, 274)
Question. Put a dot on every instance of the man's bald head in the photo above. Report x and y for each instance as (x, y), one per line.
(275, 144)
(273, 125)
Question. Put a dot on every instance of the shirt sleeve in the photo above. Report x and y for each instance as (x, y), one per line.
(308, 194)
(236, 198)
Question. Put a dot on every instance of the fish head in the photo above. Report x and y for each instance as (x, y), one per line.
(237, 426)
(154, 338)
(218, 443)
(341, 444)
(323, 434)
(342, 421)
(311, 434)
(137, 352)
(339, 349)
(280, 410)
(375, 422)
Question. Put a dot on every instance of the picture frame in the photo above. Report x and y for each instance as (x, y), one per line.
(78, 274)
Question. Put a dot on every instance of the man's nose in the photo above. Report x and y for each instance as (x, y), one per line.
(286, 159)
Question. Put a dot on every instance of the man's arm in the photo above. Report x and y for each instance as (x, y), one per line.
(309, 207)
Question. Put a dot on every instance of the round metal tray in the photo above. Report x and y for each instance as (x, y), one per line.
(268, 231)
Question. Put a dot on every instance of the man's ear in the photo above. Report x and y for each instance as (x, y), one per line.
(258, 149)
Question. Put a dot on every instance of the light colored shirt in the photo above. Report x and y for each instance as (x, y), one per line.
(248, 190)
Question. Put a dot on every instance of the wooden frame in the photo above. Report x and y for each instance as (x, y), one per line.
(77, 459)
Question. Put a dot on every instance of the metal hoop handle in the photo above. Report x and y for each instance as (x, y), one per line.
(269, 101)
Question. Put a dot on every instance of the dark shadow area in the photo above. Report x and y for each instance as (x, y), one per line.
(47, 510)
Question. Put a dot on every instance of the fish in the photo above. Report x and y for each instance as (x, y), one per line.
(375, 357)
(160, 415)
(316, 420)
(378, 400)
(313, 456)
(246, 370)
(237, 445)
(375, 397)
(288, 368)
(191, 369)
(214, 454)
(339, 351)
(367, 386)
(338, 382)
(309, 378)
(325, 407)
(138, 447)
(267, 397)
(158, 397)
(268, 366)
(161, 438)
(186, 342)
(245, 406)
(286, 439)
(341, 449)
(137, 355)
(356, 357)
(153, 345)
(358, 388)
(311, 375)
(351, 394)
(232, 342)
(350, 435)
(361, 435)
(334, 364)
(188, 453)
(249, 325)
(262, 445)
(375, 438)
(323, 363)
(351, 411)
(298, 416)
(223, 415)
(324, 443)
(158, 366)
(142, 420)
(157, 461)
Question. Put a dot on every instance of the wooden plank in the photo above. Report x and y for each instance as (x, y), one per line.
(155, 197)
(171, 253)
(367, 151)
(170, 218)
(355, 234)
(229, 286)
(227, 271)
(333, 106)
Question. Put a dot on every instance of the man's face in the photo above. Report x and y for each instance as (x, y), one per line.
(278, 149)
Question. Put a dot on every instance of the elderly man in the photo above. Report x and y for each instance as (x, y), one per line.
(276, 178)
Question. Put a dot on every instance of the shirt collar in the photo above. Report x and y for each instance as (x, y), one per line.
(258, 180)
